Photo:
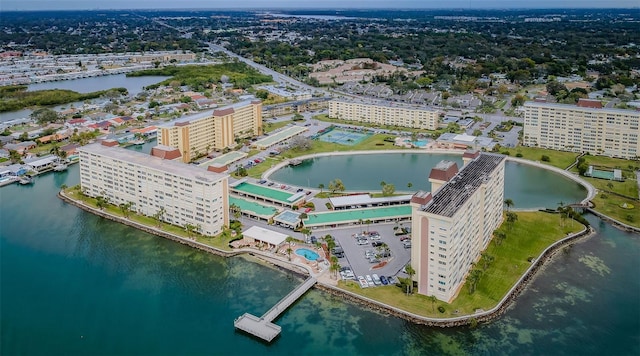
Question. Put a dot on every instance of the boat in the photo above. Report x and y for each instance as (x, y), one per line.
(60, 167)
(25, 180)
(138, 142)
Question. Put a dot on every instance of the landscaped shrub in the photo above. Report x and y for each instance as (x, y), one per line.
(545, 158)
(441, 309)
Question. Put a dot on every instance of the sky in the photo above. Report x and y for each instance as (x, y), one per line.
(9, 5)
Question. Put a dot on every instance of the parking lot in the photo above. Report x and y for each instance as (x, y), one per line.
(354, 254)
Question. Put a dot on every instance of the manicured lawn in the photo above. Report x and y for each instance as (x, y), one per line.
(558, 159)
(272, 126)
(529, 236)
(610, 205)
(629, 187)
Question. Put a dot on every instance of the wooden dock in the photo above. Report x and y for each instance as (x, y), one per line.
(263, 327)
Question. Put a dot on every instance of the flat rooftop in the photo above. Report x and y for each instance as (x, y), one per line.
(146, 160)
(353, 215)
(205, 114)
(535, 104)
(452, 195)
(225, 159)
(366, 199)
(269, 193)
(254, 207)
(280, 136)
(386, 103)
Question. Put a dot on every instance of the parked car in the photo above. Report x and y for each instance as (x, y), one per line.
(384, 280)
(375, 237)
(376, 279)
(406, 244)
(363, 282)
(271, 184)
(313, 239)
(299, 190)
(262, 181)
(362, 241)
(376, 243)
(405, 237)
(338, 251)
(369, 280)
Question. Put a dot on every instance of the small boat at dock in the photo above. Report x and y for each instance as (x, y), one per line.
(26, 179)
(60, 167)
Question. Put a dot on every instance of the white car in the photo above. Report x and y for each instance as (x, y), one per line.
(376, 279)
(370, 280)
(363, 282)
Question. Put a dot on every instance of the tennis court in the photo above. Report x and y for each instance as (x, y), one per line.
(616, 174)
(343, 137)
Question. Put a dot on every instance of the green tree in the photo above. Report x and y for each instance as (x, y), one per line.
(336, 185)
(321, 187)
(410, 271)
(159, 216)
(432, 298)
(335, 266)
(473, 279)
(486, 260)
(45, 116)
(499, 237)
(511, 219)
(508, 203)
(388, 189)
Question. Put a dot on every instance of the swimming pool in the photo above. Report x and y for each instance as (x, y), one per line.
(308, 254)
(420, 143)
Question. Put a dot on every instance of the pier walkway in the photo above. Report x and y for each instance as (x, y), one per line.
(263, 327)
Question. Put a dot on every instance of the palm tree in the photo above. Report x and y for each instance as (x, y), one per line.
(508, 203)
(306, 231)
(159, 216)
(433, 300)
(473, 279)
(125, 208)
(511, 219)
(409, 185)
(320, 186)
(610, 185)
(410, 271)
(189, 228)
(335, 266)
(486, 260)
(499, 236)
(368, 222)
(235, 211)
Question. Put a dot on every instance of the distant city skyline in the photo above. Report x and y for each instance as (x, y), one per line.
(8, 5)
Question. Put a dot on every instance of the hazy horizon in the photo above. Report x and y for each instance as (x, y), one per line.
(31, 5)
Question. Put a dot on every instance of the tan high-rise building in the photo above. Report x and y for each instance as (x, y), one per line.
(453, 224)
(585, 127)
(385, 113)
(156, 184)
(198, 134)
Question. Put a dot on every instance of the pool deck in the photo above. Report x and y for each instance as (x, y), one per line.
(263, 327)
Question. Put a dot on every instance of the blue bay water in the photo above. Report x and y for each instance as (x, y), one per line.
(73, 283)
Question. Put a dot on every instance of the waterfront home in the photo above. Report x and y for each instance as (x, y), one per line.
(42, 164)
(21, 147)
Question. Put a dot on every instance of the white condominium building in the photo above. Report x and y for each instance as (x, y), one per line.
(156, 184)
(453, 224)
(385, 113)
(585, 127)
(214, 129)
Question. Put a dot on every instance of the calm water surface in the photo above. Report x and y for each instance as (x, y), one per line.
(72, 283)
(86, 85)
(529, 187)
